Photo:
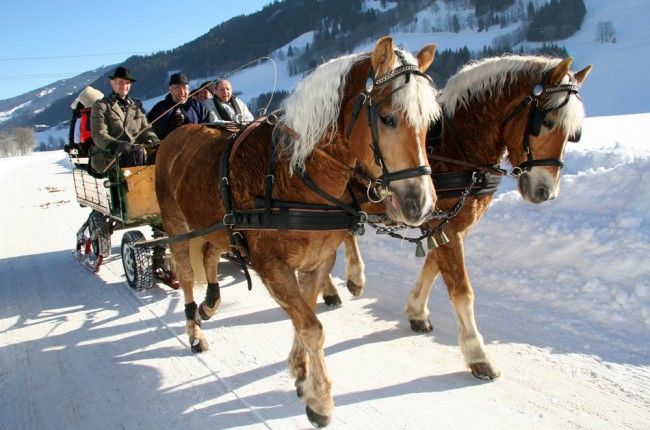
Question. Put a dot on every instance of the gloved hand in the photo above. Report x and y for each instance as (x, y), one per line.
(122, 146)
(177, 119)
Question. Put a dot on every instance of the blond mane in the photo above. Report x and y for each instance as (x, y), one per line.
(487, 77)
(312, 110)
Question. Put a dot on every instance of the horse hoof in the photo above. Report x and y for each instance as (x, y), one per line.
(199, 345)
(484, 371)
(354, 289)
(421, 326)
(334, 300)
(317, 420)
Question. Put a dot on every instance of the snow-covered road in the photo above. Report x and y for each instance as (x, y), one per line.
(83, 351)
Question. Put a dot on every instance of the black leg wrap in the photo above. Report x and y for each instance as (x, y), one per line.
(190, 311)
(212, 295)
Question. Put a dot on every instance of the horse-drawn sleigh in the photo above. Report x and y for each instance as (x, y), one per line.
(278, 194)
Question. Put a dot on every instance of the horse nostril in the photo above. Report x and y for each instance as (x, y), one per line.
(413, 207)
(542, 194)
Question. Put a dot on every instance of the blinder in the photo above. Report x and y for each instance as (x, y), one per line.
(537, 119)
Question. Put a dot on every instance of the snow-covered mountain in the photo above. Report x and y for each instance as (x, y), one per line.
(614, 87)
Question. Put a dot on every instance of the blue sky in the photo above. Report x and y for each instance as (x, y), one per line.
(44, 40)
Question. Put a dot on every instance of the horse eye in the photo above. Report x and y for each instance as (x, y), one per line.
(388, 120)
(548, 123)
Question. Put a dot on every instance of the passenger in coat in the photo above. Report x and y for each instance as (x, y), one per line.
(177, 108)
(119, 126)
(225, 107)
(79, 136)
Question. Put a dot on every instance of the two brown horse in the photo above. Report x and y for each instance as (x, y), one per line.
(365, 113)
(522, 107)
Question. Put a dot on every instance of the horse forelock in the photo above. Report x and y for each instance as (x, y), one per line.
(418, 99)
(486, 78)
(571, 115)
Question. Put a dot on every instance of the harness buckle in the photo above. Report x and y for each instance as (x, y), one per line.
(516, 172)
(229, 220)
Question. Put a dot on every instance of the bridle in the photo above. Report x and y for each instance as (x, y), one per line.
(364, 99)
(536, 117)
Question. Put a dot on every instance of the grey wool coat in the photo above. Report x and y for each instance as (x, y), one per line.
(109, 123)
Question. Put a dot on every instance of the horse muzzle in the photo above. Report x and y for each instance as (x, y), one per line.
(411, 201)
(537, 188)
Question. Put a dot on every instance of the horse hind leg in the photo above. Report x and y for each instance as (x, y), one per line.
(181, 254)
(354, 272)
(330, 295)
(212, 294)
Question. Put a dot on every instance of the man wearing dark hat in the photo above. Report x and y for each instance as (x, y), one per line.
(119, 125)
(177, 108)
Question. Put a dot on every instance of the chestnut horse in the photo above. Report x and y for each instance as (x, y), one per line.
(304, 156)
(527, 107)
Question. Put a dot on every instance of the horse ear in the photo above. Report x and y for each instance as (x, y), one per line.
(560, 71)
(425, 56)
(582, 74)
(383, 56)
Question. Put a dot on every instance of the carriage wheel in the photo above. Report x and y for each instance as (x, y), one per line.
(138, 265)
(99, 230)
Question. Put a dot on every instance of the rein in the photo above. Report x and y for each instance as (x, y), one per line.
(482, 179)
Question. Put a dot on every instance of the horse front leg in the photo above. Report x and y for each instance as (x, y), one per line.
(316, 388)
(451, 261)
(307, 359)
(355, 269)
(181, 254)
(417, 306)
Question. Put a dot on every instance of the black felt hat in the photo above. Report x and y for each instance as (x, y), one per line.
(178, 79)
(122, 72)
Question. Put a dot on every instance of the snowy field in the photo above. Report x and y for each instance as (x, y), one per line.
(562, 299)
